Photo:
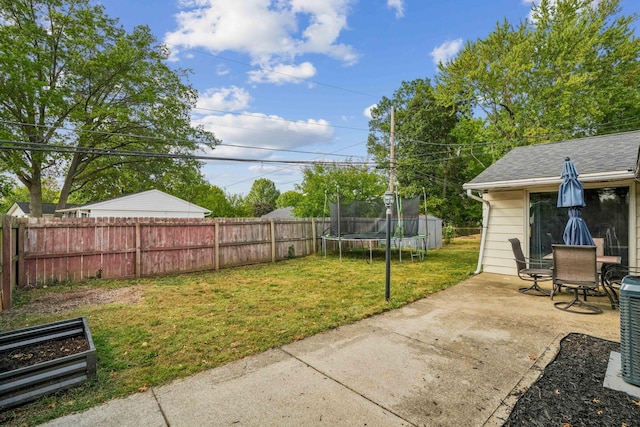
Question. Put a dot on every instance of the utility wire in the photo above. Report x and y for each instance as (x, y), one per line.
(267, 117)
(275, 72)
(166, 140)
(279, 170)
(22, 145)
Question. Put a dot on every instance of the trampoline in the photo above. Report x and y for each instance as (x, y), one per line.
(364, 223)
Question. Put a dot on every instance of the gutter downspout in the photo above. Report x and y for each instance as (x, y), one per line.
(485, 226)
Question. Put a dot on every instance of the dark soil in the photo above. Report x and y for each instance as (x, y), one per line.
(49, 350)
(570, 393)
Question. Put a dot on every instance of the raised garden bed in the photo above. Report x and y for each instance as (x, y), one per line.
(43, 359)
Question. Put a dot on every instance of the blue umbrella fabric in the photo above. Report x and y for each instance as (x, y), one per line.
(571, 195)
(576, 231)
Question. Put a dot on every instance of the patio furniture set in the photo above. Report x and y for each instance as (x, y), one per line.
(581, 269)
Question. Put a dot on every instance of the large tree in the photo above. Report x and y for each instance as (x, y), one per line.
(429, 159)
(262, 197)
(288, 199)
(422, 130)
(11, 192)
(79, 95)
(571, 70)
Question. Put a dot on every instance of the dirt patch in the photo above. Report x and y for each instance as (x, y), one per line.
(33, 354)
(65, 301)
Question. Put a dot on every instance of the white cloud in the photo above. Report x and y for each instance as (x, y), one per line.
(264, 131)
(552, 3)
(367, 111)
(398, 5)
(224, 99)
(273, 33)
(222, 70)
(280, 74)
(446, 51)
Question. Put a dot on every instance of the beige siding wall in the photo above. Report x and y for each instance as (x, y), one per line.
(506, 220)
(509, 217)
(635, 228)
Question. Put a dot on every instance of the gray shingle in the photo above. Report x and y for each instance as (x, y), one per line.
(599, 154)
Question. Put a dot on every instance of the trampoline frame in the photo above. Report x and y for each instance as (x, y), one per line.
(420, 244)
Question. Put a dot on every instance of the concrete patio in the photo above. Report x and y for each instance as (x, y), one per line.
(460, 357)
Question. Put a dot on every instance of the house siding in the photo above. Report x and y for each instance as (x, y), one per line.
(146, 204)
(636, 229)
(144, 213)
(506, 220)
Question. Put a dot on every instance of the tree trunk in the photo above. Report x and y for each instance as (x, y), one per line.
(35, 194)
(66, 187)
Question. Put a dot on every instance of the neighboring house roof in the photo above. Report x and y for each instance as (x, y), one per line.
(144, 201)
(285, 213)
(47, 208)
(597, 159)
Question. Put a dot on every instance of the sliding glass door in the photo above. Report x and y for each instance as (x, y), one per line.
(606, 215)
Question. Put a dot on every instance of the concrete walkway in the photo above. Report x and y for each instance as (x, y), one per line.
(457, 358)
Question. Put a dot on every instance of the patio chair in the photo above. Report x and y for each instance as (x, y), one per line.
(612, 279)
(530, 270)
(575, 268)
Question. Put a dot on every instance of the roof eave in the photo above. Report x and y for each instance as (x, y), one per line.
(534, 182)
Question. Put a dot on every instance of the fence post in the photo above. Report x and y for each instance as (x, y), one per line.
(313, 233)
(6, 262)
(216, 245)
(138, 251)
(21, 274)
(273, 241)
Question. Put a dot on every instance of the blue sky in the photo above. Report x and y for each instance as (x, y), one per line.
(331, 61)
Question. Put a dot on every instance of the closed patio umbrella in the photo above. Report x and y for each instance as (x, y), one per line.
(571, 195)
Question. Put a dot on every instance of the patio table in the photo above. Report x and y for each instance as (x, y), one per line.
(604, 259)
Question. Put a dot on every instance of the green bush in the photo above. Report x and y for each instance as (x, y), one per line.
(448, 233)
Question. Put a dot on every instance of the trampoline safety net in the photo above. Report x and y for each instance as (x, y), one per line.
(360, 219)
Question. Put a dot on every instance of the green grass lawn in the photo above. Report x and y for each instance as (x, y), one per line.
(188, 323)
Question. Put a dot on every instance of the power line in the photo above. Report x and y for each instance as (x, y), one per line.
(22, 145)
(266, 117)
(278, 170)
(165, 140)
(276, 72)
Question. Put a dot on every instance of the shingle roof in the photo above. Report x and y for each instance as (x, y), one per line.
(47, 208)
(593, 155)
(286, 213)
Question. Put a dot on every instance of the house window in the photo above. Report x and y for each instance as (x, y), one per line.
(606, 216)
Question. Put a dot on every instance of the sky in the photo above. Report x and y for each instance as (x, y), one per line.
(294, 80)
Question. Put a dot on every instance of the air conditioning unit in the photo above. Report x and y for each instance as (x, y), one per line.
(630, 329)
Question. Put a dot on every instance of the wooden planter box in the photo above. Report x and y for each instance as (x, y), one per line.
(24, 384)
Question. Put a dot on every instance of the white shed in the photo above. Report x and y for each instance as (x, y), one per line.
(151, 203)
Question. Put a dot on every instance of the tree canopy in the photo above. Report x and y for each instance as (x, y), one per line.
(571, 70)
(322, 183)
(262, 197)
(428, 158)
(288, 199)
(86, 102)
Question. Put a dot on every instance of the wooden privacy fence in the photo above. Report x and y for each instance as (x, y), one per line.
(38, 251)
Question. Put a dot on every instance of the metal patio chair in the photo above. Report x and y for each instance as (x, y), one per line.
(575, 268)
(531, 270)
(612, 279)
